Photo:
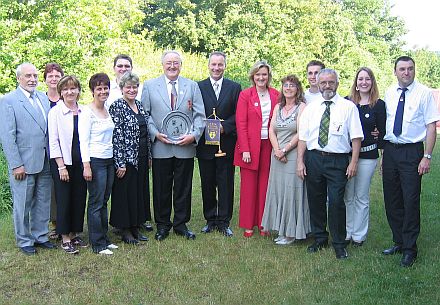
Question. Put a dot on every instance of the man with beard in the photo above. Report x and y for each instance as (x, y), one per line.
(327, 127)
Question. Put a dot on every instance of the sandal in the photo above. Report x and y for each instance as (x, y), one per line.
(53, 235)
(68, 248)
(78, 242)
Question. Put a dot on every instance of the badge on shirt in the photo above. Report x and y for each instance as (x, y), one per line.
(256, 104)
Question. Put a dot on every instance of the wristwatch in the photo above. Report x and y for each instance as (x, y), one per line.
(427, 156)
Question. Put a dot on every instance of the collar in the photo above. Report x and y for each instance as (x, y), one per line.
(410, 87)
(167, 80)
(333, 99)
(26, 93)
(65, 110)
(219, 82)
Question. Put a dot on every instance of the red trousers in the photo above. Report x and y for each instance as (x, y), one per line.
(253, 187)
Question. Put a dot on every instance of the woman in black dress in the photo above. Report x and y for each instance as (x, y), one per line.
(132, 156)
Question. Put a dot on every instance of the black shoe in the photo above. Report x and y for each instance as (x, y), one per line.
(357, 243)
(28, 250)
(147, 227)
(341, 253)
(141, 237)
(208, 229)
(129, 240)
(226, 231)
(185, 233)
(137, 235)
(316, 246)
(161, 235)
(46, 245)
(408, 260)
(393, 250)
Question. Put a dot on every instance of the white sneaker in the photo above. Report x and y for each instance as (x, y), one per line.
(112, 247)
(106, 252)
(280, 237)
(285, 241)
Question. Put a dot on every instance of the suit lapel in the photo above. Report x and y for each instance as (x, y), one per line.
(163, 91)
(32, 111)
(256, 102)
(183, 87)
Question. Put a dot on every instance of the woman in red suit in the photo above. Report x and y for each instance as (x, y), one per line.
(253, 149)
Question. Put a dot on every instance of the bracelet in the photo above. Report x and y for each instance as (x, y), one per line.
(62, 167)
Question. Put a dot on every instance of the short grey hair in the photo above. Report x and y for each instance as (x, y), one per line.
(171, 52)
(20, 67)
(128, 77)
(328, 71)
(217, 53)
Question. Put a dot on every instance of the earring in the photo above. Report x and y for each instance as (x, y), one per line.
(357, 89)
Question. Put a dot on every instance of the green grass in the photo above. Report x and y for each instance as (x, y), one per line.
(218, 270)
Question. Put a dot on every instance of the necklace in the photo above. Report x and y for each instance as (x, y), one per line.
(262, 94)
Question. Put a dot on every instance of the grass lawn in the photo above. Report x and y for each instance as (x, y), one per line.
(216, 270)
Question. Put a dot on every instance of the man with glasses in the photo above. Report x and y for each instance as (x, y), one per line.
(176, 123)
(327, 128)
(23, 134)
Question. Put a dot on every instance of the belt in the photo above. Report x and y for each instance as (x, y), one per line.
(368, 148)
(402, 145)
(324, 153)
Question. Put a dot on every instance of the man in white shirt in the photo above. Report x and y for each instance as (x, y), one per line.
(327, 127)
(411, 117)
(313, 94)
(121, 64)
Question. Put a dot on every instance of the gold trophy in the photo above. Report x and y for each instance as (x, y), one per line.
(212, 132)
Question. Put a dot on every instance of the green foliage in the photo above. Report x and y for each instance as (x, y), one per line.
(5, 192)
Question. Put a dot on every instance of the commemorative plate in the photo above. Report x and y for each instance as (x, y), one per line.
(176, 124)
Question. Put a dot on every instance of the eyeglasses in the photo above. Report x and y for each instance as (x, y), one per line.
(289, 85)
(329, 83)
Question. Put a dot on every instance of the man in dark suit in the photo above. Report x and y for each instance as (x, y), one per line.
(217, 173)
(173, 158)
(23, 134)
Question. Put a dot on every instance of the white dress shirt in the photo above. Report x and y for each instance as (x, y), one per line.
(420, 110)
(345, 125)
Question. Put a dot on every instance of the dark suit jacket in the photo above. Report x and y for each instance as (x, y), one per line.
(249, 123)
(225, 109)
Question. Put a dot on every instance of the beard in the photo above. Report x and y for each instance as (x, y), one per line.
(328, 94)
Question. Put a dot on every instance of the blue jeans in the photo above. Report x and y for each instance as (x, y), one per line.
(103, 173)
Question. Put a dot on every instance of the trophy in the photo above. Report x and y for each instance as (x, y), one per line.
(212, 132)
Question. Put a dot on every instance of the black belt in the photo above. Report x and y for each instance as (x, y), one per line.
(403, 145)
(324, 153)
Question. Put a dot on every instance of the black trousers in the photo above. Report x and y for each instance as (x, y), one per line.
(326, 178)
(172, 186)
(401, 190)
(217, 179)
(70, 197)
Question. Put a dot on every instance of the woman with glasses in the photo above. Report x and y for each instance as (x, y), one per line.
(286, 210)
(132, 157)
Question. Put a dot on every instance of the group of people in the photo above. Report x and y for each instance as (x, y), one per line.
(306, 158)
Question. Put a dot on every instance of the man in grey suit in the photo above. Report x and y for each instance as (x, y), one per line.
(23, 133)
(173, 158)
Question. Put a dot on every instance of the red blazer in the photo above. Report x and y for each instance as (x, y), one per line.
(249, 122)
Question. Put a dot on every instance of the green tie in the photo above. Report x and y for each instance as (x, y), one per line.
(324, 126)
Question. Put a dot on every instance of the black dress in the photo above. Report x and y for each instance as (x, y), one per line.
(131, 195)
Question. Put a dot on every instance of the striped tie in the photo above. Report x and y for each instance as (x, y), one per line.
(324, 126)
(173, 94)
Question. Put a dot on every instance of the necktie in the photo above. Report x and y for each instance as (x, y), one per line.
(324, 126)
(216, 89)
(397, 130)
(173, 94)
(35, 104)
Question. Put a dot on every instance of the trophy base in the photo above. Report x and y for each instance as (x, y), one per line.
(220, 154)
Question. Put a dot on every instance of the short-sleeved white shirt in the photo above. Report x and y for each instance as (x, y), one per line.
(345, 125)
(420, 110)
